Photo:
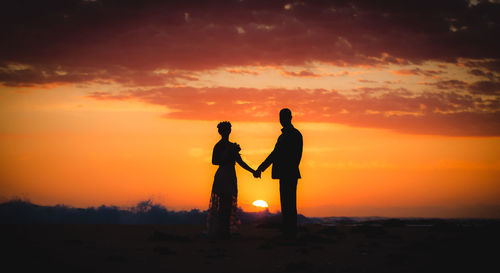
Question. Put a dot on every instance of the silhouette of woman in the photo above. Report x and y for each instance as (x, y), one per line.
(223, 200)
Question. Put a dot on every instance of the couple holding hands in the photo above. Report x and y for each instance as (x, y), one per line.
(285, 159)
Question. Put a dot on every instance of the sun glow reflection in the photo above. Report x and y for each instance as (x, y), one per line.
(260, 203)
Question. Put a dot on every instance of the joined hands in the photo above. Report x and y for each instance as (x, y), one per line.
(256, 173)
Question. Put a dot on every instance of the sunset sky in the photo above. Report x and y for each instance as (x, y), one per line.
(114, 102)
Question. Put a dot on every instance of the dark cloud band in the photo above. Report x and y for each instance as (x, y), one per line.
(83, 38)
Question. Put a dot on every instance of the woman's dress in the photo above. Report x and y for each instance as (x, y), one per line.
(223, 200)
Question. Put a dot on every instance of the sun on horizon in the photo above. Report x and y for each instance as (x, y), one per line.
(260, 203)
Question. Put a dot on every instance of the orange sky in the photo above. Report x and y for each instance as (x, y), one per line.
(61, 147)
(118, 102)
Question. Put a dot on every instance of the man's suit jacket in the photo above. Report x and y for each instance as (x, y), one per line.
(286, 155)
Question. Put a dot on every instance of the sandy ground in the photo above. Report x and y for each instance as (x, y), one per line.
(183, 248)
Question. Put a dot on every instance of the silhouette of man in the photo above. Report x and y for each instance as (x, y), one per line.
(286, 159)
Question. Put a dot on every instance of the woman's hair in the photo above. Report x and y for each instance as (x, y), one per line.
(224, 127)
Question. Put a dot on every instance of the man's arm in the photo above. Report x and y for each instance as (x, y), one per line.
(300, 147)
(270, 158)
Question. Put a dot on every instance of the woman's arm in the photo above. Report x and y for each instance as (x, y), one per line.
(216, 156)
(243, 164)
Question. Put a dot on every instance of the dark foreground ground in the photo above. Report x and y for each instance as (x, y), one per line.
(390, 246)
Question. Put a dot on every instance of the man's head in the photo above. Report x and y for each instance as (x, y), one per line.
(285, 117)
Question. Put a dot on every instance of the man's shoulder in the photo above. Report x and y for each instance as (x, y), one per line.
(296, 132)
(291, 133)
(289, 129)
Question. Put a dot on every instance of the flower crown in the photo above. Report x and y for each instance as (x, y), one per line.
(224, 125)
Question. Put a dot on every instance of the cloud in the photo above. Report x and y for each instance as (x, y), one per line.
(480, 73)
(96, 40)
(310, 74)
(486, 64)
(23, 76)
(302, 74)
(448, 84)
(242, 71)
(366, 81)
(478, 87)
(417, 71)
(443, 113)
(486, 87)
